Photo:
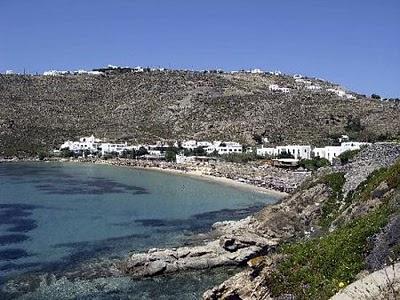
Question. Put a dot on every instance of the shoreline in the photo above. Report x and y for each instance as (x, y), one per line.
(189, 173)
(196, 175)
(215, 179)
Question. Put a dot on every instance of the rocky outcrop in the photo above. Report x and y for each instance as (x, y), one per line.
(234, 244)
(382, 284)
(374, 157)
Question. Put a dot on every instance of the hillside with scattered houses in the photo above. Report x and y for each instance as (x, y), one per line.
(39, 112)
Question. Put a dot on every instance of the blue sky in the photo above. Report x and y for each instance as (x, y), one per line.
(352, 42)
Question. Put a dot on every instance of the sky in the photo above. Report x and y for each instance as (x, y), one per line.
(352, 42)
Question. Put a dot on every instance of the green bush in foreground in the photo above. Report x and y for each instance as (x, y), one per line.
(318, 268)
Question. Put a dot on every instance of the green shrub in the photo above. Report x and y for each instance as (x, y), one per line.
(317, 268)
(348, 155)
(170, 155)
(314, 164)
(330, 208)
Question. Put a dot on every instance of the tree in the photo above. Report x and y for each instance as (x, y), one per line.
(41, 155)
(348, 155)
(314, 164)
(170, 155)
(199, 151)
(66, 153)
(353, 124)
(257, 138)
(375, 96)
(142, 151)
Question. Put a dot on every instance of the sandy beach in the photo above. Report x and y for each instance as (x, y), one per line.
(191, 173)
(222, 180)
(199, 175)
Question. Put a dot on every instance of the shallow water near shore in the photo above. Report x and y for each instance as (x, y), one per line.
(57, 221)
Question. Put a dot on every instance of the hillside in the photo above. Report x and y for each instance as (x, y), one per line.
(39, 112)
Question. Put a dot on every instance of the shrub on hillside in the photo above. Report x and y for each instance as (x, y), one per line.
(314, 164)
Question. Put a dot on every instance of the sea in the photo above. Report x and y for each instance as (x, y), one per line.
(64, 227)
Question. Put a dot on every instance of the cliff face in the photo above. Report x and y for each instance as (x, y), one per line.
(39, 112)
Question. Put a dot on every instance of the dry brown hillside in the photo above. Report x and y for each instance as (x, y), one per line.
(39, 112)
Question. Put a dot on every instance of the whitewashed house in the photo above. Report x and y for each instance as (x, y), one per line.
(109, 148)
(266, 151)
(298, 151)
(204, 144)
(276, 88)
(90, 144)
(313, 87)
(319, 152)
(189, 145)
(55, 73)
(225, 148)
(256, 71)
(341, 93)
(353, 145)
(332, 152)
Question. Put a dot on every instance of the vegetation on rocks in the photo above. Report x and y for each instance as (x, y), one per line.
(320, 267)
(314, 164)
(348, 155)
(330, 208)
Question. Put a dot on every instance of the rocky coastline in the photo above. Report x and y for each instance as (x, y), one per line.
(245, 241)
(252, 241)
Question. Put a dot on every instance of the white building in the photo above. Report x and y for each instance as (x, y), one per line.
(225, 148)
(298, 151)
(276, 88)
(55, 73)
(109, 148)
(90, 144)
(204, 144)
(266, 151)
(256, 71)
(341, 93)
(313, 87)
(332, 152)
(189, 145)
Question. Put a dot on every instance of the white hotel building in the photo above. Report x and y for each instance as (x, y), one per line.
(90, 143)
(306, 152)
(331, 152)
(94, 145)
(298, 151)
(224, 148)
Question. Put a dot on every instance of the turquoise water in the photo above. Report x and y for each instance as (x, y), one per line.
(58, 219)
